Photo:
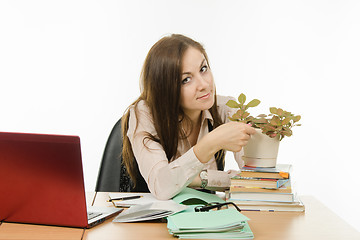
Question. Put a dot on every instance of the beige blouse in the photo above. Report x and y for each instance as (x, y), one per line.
(166, 179)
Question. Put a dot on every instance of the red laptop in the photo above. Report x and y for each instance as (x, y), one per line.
(41, 181)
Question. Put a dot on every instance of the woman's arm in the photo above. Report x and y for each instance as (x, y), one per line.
(231, 136)
(164, 179)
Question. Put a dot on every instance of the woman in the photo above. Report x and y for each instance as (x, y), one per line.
(176, 126)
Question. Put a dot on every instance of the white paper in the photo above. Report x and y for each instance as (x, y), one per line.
(146, 198)
(150, 211)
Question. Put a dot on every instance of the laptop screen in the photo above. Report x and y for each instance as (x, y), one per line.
(41, 180)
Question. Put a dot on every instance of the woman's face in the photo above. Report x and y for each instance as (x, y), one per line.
(197, 84)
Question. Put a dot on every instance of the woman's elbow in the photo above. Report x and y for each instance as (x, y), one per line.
(165, 193)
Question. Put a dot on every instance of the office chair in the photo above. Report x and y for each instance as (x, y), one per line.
(112, 176)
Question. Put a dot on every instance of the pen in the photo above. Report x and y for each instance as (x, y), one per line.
(124, 198)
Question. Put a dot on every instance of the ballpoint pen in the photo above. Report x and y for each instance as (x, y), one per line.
(124, 198)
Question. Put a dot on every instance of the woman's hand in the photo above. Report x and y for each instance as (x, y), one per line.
(231, 136)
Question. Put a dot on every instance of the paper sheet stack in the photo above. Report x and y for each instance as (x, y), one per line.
(221, 224)
(150, 211)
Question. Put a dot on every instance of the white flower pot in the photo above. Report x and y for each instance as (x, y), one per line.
(261, 150)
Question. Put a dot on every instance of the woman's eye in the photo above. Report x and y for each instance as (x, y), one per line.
(204, 69)
(185, 80)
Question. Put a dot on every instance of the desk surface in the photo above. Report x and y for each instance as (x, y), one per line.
(318, 222)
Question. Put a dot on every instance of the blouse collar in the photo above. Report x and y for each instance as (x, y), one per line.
(207, 116)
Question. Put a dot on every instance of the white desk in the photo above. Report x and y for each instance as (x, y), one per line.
(318, 222)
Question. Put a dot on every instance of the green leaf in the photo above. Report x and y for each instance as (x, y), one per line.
(260, 120)
(285, 121)
(253, 103)
(268, 128)
(233, 119)
(279, 112)
(242, 98)
(232, 104)
(287, 132)
(236, 115)
(287, 114)
(245, 115)
(275, 121)
(297, 118)
(240, 112)
(272, 135)
(273, 110)
(249, 119)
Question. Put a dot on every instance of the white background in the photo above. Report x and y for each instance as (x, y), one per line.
(72, 67)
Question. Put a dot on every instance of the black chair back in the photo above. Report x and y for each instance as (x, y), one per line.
(112, 176)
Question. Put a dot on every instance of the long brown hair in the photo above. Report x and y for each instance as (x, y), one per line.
(161, 84)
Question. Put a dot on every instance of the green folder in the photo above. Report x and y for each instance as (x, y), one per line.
(190, 196)
(220, 224)
(207, 220)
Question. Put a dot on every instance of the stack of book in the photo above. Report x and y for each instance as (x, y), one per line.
(264, 189)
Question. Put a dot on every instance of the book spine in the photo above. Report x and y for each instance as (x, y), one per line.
(260, 189)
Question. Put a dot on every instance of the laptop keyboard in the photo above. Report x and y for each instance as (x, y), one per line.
(92, 215)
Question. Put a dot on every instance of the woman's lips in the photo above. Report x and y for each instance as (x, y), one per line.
(204, 97)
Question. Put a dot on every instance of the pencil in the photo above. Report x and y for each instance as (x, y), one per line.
(124, 198)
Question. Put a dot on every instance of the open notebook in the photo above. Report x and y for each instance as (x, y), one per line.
(41, 181)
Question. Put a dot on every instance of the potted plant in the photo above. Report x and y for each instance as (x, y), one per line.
(262, 149)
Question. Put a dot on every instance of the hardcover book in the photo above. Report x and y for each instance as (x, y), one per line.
(281, 171)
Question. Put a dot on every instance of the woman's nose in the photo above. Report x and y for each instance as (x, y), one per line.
(202, 82)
